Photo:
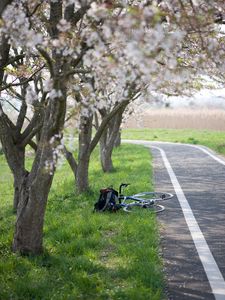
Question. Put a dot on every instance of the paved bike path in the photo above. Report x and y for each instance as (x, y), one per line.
(193, 223)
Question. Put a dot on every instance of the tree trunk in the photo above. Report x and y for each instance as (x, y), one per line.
(80, 169)
(4, 52)
(82, 182)
(31, 189)
(108, 141)
(86, 145)
(18, 180)
(117, 142)
(35, 187)
(106, 157)
(30, 214)
(15, 157)
(71, 160)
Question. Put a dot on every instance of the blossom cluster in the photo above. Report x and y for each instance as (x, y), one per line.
(18, 27)
(57, 159)
(111, 51)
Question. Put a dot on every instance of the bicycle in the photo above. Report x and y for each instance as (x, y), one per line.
(147, 200)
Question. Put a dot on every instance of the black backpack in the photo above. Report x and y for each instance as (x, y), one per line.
(108, 200)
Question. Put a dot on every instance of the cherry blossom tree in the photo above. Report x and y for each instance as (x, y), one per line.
(111, 134)
(40, 28)
(87, 144)
(111, 68)
(15, 136)
(108, 38)
(203, 48)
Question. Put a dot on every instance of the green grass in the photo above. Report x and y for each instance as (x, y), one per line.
(87, 255)
(212, 139)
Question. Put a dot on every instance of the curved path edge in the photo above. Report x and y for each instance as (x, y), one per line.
(217, 157)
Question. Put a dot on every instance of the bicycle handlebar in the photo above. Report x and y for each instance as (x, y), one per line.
(122, 186)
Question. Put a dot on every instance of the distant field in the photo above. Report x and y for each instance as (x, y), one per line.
(211, 119)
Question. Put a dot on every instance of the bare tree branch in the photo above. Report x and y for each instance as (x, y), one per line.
(70, 158)
(7, 86)
(21, 116)
(14, 107)
(33, 127)
(105, 122)
(78, 71)
(14, 59)
(5, 119)
(69, 12)
(12, 92)
(35, 9)
(33, 145)
(4, 55)
(31, 134)
(47, 58)
(79, 14)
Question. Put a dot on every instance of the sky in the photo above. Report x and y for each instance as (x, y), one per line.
(203, 99)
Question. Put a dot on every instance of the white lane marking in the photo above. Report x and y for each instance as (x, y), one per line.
(212, 271)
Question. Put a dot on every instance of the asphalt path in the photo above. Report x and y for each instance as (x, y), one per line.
(193, 224)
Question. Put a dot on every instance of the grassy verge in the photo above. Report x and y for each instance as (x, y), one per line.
(212, 139)
(87, 255)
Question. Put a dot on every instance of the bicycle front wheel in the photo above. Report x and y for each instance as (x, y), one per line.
(152, 196)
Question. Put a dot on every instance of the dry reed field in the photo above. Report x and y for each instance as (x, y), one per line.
(211, 119)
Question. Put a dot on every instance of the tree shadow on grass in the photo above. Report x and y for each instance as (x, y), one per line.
(57, 276)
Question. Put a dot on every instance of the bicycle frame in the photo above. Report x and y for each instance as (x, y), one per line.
(139, 201)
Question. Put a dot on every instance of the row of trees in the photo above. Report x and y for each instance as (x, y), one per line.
(89, 60)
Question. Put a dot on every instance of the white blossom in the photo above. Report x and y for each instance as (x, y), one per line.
(57, 146)
(31, 95)
(56, 43)
(48, 85)
(17, 27)
(54, 94)
(63, 25)
(97, 11)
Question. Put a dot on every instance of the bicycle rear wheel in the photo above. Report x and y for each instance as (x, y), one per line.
(135, 206)
(152, 196)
